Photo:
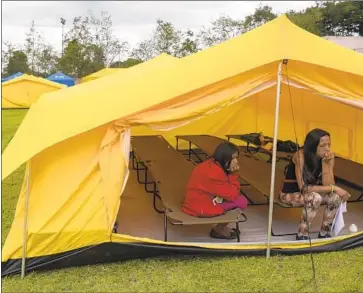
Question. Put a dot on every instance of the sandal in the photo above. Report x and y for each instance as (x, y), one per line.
(325, 236)
(217, 235)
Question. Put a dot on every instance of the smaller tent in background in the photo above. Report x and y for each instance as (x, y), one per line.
(61, 78)
(12, 76)
(101, 73)
(25, 90)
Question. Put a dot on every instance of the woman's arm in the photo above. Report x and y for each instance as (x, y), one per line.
(328, 169)
(221, 185)
(298, 160)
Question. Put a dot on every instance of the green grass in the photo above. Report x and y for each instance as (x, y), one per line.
(335, 271)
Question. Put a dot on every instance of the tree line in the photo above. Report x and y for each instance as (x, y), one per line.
(90, 44)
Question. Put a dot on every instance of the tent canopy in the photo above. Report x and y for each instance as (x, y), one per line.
(12, 76)
(61, 78)
(83, 133)
(101, 73)
(23, 91)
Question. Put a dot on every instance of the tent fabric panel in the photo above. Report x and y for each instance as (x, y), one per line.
(101, 73)
(121, 249)
(68, 189)
(255, 114)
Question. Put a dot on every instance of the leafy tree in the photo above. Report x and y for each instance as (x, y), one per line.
(342, 18)
(261, 15)
(166, 39)
(308, 19)
(125, 64)
(7, 49)
(42, 57)
(189, 44)
(46, 60)
(33, 43)
(221, 30)
(104, 39)
(80, 60)
(145, 50)
(90, 45)
(18, 61)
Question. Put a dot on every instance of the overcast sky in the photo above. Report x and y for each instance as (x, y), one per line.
(133, 21)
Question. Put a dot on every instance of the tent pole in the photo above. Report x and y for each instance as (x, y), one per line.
(273, 168)
(25, 223)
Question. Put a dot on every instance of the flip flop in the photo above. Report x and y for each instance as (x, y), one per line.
(216, 235)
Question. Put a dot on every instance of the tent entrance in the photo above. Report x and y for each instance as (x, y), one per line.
(138, 218)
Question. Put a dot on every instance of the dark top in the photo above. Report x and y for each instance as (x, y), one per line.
(290, 183)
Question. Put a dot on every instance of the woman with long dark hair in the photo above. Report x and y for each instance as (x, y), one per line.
(214, 189)
(309, 182)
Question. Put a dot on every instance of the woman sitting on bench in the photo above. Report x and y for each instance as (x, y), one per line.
(309, 182)
(214, 189)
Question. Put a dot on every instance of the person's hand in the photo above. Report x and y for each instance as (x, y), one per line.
(328, 158)
(343, 194)
(234, 166)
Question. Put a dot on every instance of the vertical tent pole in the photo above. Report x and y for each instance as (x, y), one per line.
(273, 169)
(25, 223)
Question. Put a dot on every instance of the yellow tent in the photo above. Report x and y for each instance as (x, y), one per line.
(77, 165)
(101, 73)
(25, 90)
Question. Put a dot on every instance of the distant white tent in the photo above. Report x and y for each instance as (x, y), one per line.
(354, 43)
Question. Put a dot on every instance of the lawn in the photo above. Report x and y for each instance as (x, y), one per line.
(335, 271)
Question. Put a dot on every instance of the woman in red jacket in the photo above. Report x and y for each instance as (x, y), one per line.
(214, 189)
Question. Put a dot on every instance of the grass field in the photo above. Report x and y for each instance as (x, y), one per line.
(335, 272)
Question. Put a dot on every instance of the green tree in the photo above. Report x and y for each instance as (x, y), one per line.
(145, 50)
(166, 39)
(342, 18)
(46, 61)
(18, 61)
(308, 19)
(80, 60)
(103, 37)
(90, 45)
(7, 49)
(125, 64)
(221, 30)
(189, 44)
(261, 15)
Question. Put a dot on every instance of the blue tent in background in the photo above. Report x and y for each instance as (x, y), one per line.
(62, 78)
(12, 76)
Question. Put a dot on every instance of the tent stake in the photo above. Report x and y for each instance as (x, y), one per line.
(25, 223)
(273, 168)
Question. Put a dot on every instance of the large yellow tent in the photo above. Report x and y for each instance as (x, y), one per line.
(77, 161)
(101, 73)
(25, 90)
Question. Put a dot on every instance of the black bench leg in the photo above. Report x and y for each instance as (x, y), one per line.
(237, 231)
(360, 198)
(165, 228)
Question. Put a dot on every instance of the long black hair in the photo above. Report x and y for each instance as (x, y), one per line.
(223, 154)
(312, 164)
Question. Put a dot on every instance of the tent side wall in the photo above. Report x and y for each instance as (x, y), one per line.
(67, 189)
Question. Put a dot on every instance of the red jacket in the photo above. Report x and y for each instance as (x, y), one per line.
(207, 181)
